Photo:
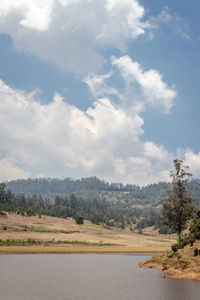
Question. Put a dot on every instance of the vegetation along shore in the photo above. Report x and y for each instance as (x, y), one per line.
(183, 261)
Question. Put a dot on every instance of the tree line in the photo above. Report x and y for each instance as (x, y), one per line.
(95, 210)
(111, 208)
(92, 187)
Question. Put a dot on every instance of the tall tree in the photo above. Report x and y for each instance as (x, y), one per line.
(177, 208)
(3, 195)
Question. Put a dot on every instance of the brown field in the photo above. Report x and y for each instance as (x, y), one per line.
(80, 238)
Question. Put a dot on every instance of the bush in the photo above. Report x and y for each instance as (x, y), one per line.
(2, 242)
(79, 220)
(31, 241)
(195, 226)
(175, 247)
(196, 252)
(184, 241)
(164, 229)
(140, 231)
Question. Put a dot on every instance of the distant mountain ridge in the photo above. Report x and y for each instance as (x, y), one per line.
(93, 187)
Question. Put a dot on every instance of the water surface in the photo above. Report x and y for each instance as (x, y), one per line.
(87, 277)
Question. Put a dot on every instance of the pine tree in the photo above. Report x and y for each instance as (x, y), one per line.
(177, 208)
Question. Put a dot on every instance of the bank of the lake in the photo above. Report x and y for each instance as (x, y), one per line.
(79, 249)
(181, 265)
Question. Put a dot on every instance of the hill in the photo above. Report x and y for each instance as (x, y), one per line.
(113, 204)
(50, 234)
(92, 187)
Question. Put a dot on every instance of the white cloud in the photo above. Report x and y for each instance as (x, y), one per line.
(98, 86)
(155, 91)
(58, 139)
(157, 152)
(175, 22)
(71, 33)
(193, 161)
(33, 14)
(8, 171)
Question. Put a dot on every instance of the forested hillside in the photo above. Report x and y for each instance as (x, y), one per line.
(92, 187)
(113, 204)
(96, 210)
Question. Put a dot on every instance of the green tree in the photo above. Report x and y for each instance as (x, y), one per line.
(3, 196)
(195, 226)
(177, 208)
(79, 220)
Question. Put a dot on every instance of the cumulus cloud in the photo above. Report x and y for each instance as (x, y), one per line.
(9, 171)
(71, 33)
(193, 161)
(154, 90)
(58, 139)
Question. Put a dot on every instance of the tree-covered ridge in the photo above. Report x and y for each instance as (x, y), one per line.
(98, 201)
(99, 211)
(92, 187)
(95, 210)
(67, 185)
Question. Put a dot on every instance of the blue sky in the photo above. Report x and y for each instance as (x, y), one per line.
(105, 88)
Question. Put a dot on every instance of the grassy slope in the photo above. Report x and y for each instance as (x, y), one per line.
(69, 237)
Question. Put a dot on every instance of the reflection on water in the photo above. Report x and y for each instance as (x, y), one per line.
(87, 277)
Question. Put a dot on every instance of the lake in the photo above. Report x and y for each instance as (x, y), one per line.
(87, 277)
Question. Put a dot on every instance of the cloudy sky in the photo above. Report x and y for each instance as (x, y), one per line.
(105, 88)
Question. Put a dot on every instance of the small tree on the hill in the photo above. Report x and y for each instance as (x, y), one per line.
(177, 208)
(79, 220)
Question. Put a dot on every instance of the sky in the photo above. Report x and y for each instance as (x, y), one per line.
(104, 88)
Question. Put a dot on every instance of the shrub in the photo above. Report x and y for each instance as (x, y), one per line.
(31, 241)
(182, 243)
(79, 220)
(195, 226)
(196, 252)
(175, 247)
(164, 229)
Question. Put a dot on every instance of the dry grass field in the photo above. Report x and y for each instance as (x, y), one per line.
(66, 236)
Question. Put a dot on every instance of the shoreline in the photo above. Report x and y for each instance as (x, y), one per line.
(6, 250)
(180, 265)
(172, 272)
